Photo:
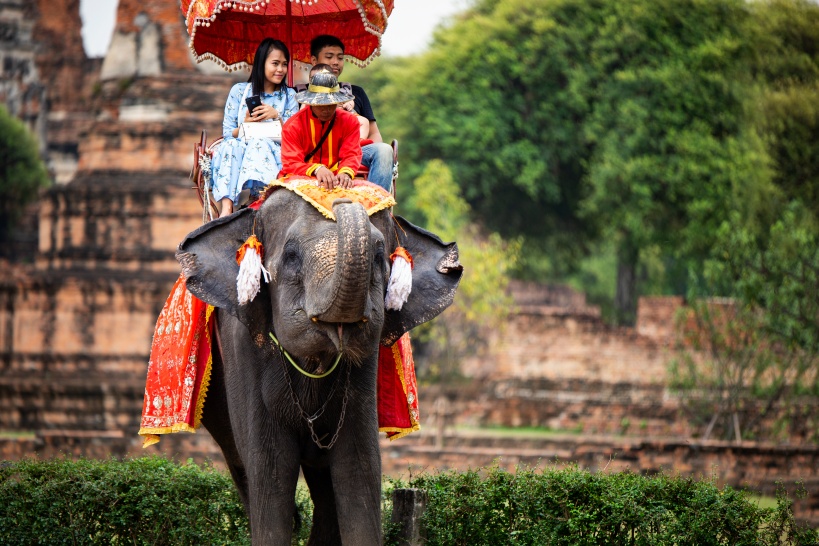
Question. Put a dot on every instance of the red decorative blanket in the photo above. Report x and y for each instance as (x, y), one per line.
(179, 366)
(180, 363)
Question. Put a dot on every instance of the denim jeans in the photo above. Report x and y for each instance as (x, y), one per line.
(378, 158)
(256, 187)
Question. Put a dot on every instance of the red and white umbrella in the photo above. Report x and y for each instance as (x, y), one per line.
(229, 31)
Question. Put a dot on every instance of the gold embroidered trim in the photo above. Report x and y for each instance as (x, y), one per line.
(399, 367)
(203, 390)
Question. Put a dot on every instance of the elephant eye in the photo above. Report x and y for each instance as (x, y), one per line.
(291, 260)
(379, 263)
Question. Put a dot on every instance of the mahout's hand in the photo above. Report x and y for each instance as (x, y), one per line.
(326, 178)
(344, 180)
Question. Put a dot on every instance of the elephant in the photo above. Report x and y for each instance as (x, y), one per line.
(324, 305)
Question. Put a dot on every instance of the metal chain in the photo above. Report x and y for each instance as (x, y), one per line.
(320, 412)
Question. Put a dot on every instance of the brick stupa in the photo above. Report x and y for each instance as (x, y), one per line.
(78, 306)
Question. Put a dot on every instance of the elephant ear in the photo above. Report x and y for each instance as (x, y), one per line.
(208, 259)
(436, 273)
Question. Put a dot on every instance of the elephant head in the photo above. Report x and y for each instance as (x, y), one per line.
(328, 279)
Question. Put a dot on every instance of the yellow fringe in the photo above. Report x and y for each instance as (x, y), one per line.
(151, 433)
(401, 431)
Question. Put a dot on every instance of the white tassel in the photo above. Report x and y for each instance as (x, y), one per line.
(400, 285)
(251, 270)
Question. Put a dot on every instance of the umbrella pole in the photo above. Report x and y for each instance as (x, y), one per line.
(289, 19)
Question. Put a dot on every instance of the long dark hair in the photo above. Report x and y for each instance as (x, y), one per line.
(256, 78)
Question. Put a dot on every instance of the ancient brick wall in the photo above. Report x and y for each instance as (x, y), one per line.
(61, 59)
(21, 88)
(149, 39)
(554, 334)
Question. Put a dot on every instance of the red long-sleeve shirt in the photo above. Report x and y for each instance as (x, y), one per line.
(340, 152)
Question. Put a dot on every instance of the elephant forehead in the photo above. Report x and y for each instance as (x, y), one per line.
(323, 255)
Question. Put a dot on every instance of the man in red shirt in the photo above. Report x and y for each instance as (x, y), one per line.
(322, 141)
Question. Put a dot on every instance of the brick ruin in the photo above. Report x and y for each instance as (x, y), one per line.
(77, 313)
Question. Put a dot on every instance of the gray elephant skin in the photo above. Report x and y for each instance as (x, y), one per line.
(325, 298)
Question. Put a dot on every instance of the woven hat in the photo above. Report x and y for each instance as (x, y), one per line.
(323, 90)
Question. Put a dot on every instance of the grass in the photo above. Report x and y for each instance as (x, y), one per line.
(515, 432)
(17, 435)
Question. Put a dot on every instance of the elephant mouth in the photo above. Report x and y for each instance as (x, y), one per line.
(347, 338)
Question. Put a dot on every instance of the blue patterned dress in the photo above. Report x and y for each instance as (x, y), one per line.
(240, 163)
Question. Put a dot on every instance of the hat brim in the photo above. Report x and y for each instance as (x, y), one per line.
(321, 99)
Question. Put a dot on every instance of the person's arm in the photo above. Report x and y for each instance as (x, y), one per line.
(290, 104)
(230, 123)
(375, 134)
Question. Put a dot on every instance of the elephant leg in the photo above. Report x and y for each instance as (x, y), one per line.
(273, 471)
(356, 477)
(325, 519)
(216, 419)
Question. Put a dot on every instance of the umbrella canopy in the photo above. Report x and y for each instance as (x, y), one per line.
(229, 31)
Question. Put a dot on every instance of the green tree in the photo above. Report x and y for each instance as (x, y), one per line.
(22, 173)
(575, 121)
(482, 304)
(766, 253)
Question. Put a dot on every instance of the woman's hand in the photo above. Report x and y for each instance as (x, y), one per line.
(263, 112)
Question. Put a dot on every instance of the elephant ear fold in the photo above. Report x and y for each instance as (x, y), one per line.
(208, 259)
(436, 273)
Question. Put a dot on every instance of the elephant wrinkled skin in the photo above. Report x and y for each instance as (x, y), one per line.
(325, 297)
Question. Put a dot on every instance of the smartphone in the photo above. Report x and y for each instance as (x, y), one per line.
(253, 102)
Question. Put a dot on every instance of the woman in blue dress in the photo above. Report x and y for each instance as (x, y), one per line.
(241, 163)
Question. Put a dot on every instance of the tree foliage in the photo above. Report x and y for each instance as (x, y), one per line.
(670, 145)
(22, 173)
(572, 122)
(481, 302)
(766, 253)
(676, 141)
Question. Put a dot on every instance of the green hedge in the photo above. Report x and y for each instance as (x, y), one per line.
(140, 501)
(155, 501)
(574, 507)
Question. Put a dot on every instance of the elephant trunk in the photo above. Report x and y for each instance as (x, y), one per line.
(344, 298)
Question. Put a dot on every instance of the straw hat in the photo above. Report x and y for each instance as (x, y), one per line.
(323, 90)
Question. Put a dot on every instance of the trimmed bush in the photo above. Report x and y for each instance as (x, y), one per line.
(574, 507)
(155, 501)
(141, 501)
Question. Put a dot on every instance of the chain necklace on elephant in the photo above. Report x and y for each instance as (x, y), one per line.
(310, 419)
